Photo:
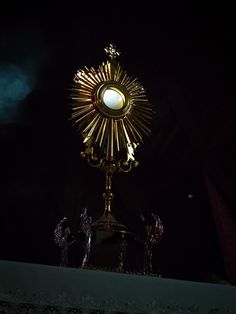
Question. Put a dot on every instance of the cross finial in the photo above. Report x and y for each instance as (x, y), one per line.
(112, 51)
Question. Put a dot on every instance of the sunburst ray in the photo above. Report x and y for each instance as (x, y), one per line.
(110, 129)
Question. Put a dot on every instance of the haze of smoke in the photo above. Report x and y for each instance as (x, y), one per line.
(23, 52)
(15, 85)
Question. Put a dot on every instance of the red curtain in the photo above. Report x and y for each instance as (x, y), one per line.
(225, 220)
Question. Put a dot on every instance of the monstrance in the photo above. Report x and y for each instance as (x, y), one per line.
(112, 112)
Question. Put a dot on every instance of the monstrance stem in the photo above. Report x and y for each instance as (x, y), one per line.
(108, 195)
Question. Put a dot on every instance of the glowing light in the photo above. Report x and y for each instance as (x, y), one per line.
(190, 196)
(113, 99)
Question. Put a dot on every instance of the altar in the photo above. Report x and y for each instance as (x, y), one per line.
(34, 288)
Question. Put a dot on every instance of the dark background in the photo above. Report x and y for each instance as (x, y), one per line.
(185, 58)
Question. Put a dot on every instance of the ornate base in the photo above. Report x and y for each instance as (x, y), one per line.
(107, 245)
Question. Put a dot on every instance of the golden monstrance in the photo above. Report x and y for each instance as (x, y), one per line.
(112, 113)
